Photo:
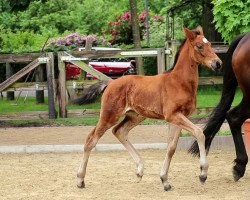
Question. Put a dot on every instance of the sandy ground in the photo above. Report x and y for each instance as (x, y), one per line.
(111, 176)
(78, 134)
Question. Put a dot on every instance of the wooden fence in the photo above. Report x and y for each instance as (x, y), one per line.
(80, 59)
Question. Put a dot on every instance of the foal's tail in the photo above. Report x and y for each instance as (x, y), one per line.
(218, 115)
(92, 93)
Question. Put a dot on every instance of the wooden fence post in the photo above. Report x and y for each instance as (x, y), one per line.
(62, 87)
(51, 85)
(88, 47)
(173, 45)
(39, 77)
(161, 66)
(9, 73)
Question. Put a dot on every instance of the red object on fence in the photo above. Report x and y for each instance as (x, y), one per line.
(72, 72)
(111, 69)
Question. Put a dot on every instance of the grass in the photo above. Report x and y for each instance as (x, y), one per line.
(211, 97)
(21, 106)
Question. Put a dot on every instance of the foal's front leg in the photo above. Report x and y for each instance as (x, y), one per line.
(173, 136)
(185, 123)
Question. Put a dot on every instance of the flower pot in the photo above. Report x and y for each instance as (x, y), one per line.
(246, 128)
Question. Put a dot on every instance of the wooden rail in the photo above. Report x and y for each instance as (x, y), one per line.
(19, 58)
(215, 80)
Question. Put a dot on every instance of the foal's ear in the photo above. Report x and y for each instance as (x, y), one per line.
(189, 34)
(200, 30)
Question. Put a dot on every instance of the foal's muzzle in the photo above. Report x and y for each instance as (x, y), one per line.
(216, 64)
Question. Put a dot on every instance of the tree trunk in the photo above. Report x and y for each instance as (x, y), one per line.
(207, 23)
(136, 34)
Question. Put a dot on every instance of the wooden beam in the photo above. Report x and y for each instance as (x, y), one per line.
(31, 85)
(18, 58)
(215, 80)
(211, 80)
(148, 52)
(51, 86)
(28, 57)
(220, 48)
(19, 74)
(87, 68)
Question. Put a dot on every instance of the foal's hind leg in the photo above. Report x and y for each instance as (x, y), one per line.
(121, 130)
(90, 143)
(235, 118)
(173, 136)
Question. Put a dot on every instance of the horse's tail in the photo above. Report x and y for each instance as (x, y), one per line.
(218, 115)
(92, 93)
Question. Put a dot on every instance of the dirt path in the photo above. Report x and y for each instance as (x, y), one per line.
(78, 134)
(111, 176)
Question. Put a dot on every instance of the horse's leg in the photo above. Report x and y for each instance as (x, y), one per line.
(235, 118)
(121, 130)
(90, 143)
(185, 123)
(173, 136)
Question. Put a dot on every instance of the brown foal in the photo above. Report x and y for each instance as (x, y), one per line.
(170, 96)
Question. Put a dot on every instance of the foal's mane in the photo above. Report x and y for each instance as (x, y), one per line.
(197, 32)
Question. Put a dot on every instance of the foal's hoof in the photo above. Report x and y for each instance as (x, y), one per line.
(81, 184)
(167, 187)
(139, 177)
(203, 178)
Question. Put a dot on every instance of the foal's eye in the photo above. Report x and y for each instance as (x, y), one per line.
(199, 46)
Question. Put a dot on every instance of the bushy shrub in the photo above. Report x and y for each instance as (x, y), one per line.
(21, 41)
(75, 40)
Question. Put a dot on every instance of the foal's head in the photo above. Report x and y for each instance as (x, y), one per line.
(201, 50)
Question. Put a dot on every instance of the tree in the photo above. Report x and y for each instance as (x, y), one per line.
(136, 34)
(207, 23)
(231, 17)
(192, 13)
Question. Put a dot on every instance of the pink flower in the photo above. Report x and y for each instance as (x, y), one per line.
(142, 16)
(117, 23)
(125, 16)
(158, 18)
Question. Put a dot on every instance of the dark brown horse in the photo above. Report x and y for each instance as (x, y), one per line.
(170, 96)
(236, 68)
